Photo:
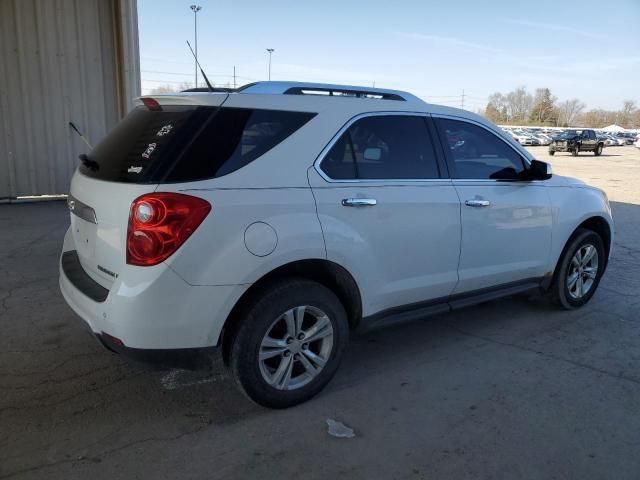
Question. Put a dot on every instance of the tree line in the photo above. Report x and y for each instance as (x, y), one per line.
(542, 108)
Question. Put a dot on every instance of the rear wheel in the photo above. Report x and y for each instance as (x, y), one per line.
(579, 270)
(289, 343)
(598, 151)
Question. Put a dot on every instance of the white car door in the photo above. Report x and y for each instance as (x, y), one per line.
(388, 214)
(506, 221)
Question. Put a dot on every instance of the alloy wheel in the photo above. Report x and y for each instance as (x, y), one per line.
(296, 347)
(582, 271)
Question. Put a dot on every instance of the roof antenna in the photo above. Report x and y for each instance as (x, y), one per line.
(73, 125)
(201, 71)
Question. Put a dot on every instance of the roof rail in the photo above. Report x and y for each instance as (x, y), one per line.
(343, 92)
(303, 88)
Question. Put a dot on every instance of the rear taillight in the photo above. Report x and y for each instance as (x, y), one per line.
(159, 223)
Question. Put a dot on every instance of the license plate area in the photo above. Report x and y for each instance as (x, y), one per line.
(84, 237)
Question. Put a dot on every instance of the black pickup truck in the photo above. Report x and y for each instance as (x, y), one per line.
(576, 141)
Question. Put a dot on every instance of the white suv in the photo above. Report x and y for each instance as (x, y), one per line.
(272, 221)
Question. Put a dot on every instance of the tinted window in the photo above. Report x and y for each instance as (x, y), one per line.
(478, 153)
(339, 163)
(383, 147)
(179, 144)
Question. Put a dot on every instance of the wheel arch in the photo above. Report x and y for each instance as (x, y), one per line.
(595, 223)
(330, 274)
(601, 226)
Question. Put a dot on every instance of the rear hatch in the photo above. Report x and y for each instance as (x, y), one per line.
(141, 152)
(166, 139)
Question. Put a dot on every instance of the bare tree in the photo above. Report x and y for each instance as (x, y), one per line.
(519, 105)
(627, 113)
(496, 110)
(569, 111)
(170, 88)
(596, 118)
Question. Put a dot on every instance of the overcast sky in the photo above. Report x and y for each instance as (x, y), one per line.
(584, 49)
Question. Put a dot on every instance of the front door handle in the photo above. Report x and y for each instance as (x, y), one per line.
(359, 202)
(477, 203)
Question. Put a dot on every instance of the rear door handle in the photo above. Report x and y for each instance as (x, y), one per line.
(477, 203)
(359, 202)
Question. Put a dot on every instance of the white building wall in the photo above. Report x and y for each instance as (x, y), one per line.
(61, 61)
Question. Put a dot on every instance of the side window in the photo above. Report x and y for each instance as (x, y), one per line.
(476, 153)
(339, 163)
(383, 147)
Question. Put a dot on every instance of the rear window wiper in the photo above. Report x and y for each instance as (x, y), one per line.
(87, 162)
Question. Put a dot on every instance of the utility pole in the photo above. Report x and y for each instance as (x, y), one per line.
(462, 100)
(234, 77)
(196, 9)
(270, 50)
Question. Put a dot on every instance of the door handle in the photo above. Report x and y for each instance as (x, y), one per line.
(477, 203)
(359, 202)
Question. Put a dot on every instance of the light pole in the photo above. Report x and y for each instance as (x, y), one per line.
(196, 9)
(270, 50)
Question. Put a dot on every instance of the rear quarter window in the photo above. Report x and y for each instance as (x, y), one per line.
(183, 144)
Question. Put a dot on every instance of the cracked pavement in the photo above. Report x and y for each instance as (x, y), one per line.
(514, 388)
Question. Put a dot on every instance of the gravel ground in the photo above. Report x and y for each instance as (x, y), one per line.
(509, 389)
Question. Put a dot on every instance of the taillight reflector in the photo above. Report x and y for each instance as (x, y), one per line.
(159, 223)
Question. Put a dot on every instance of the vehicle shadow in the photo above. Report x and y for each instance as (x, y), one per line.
(587, 154)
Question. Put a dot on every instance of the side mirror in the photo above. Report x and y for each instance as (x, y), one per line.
(373, 154)
(539, 170)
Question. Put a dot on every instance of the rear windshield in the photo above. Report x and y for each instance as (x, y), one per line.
(183, 144)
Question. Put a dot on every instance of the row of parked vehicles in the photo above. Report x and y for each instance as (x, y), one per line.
(544, 136)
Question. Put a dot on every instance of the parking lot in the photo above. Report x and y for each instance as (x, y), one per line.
(514, 388)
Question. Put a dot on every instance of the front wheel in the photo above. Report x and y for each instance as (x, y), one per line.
(552, 152)
(579, 270)
(598, 151)
(289, 343)
(575, 151)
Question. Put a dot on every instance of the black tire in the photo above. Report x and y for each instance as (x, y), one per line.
(552, 152)
(598, 151)
(257, 321)
(559, 290)
(575, 151)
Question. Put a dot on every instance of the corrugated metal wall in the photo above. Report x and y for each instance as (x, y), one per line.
(61, 61)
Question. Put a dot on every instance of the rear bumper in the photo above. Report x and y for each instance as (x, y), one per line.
(159, 312)
(186, 358)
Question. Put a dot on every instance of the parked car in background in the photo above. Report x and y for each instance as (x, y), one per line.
(272, 221)
(543, 138)
(613, 140)
(510, 133)
(576, 141)
(523, 138)
(535, 141)
(627, 138)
